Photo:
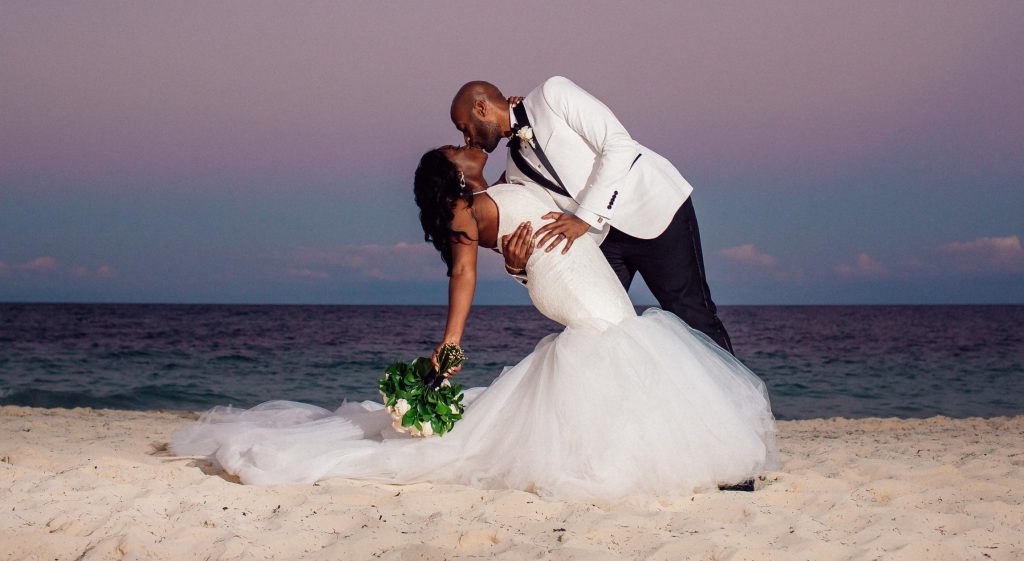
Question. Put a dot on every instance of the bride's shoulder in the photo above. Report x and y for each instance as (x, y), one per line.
(463, 218)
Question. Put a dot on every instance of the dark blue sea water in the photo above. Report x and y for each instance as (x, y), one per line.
(852, 361)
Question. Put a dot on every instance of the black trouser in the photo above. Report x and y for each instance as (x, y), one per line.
(672, 265)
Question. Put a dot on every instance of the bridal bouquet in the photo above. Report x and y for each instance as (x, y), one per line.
(421, 400)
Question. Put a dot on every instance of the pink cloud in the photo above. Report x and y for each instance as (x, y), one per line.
(747, 254)
(102, 272)
(304, 273)
(40, 264)
(1000, 254)
(864, 266)
(106, 272)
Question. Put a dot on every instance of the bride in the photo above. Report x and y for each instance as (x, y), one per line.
(615, 406)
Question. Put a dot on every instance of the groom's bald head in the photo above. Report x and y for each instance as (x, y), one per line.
(480, 112)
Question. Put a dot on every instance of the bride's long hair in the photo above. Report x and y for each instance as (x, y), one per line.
(437, 189)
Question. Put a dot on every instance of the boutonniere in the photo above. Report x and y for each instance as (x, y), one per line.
(525, 134)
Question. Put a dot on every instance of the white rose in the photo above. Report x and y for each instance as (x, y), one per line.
(428, 429)
(526, 135)
(453, 408)
(402, 406)
(445, 383)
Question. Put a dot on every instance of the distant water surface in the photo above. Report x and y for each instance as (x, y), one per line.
(851, 361)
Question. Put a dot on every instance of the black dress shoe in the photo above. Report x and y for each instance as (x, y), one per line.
(747, 486)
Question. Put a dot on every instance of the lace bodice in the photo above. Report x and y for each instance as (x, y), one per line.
(572, 288)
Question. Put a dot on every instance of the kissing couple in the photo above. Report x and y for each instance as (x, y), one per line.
(616, 406)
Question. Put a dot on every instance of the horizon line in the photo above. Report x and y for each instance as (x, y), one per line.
(407, 305)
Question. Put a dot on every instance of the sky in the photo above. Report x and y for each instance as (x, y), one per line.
(263, 152)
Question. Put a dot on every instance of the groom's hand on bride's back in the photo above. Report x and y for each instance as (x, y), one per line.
(517, 248)
(566, 227)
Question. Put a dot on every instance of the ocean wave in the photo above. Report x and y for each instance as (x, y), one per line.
(159, 396)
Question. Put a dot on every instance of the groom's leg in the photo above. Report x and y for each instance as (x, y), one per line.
(672, 265)
(617, 248)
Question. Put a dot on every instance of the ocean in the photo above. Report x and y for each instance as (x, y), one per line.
(818, 361)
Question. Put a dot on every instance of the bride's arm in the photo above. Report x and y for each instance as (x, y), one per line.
(462, 284)
(461, 287)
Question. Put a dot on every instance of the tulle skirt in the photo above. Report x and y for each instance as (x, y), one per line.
(647, 407)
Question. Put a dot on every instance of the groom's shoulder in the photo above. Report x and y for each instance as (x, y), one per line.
(557, 81)
(557, 84)
(561, 92)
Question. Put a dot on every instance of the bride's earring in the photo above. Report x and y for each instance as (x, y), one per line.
(462, 180)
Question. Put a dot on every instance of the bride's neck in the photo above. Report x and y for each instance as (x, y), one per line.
(476, 184)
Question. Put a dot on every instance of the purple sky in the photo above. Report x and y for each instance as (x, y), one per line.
(868, 152)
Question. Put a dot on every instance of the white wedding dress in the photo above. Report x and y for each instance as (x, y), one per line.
(615, 406)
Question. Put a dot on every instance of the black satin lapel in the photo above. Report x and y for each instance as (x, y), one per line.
(531, 172)
(523, 120)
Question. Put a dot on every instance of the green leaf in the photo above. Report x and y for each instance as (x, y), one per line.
(409, 418)
(422, 367)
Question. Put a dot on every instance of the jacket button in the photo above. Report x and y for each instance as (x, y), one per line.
(609, 207)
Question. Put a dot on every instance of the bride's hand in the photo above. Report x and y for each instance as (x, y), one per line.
(517, 248)
(433, 358)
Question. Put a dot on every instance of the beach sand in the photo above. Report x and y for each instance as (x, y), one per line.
(95, 484)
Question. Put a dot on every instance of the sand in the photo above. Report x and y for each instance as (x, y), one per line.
(82, 484)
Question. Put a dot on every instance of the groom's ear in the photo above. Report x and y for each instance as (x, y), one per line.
(480, 108)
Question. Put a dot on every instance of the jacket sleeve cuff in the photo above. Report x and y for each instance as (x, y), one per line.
(595, 220)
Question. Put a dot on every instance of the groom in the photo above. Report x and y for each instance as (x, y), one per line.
(631, 199)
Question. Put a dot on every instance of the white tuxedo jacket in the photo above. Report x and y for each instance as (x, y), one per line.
(596, 160)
